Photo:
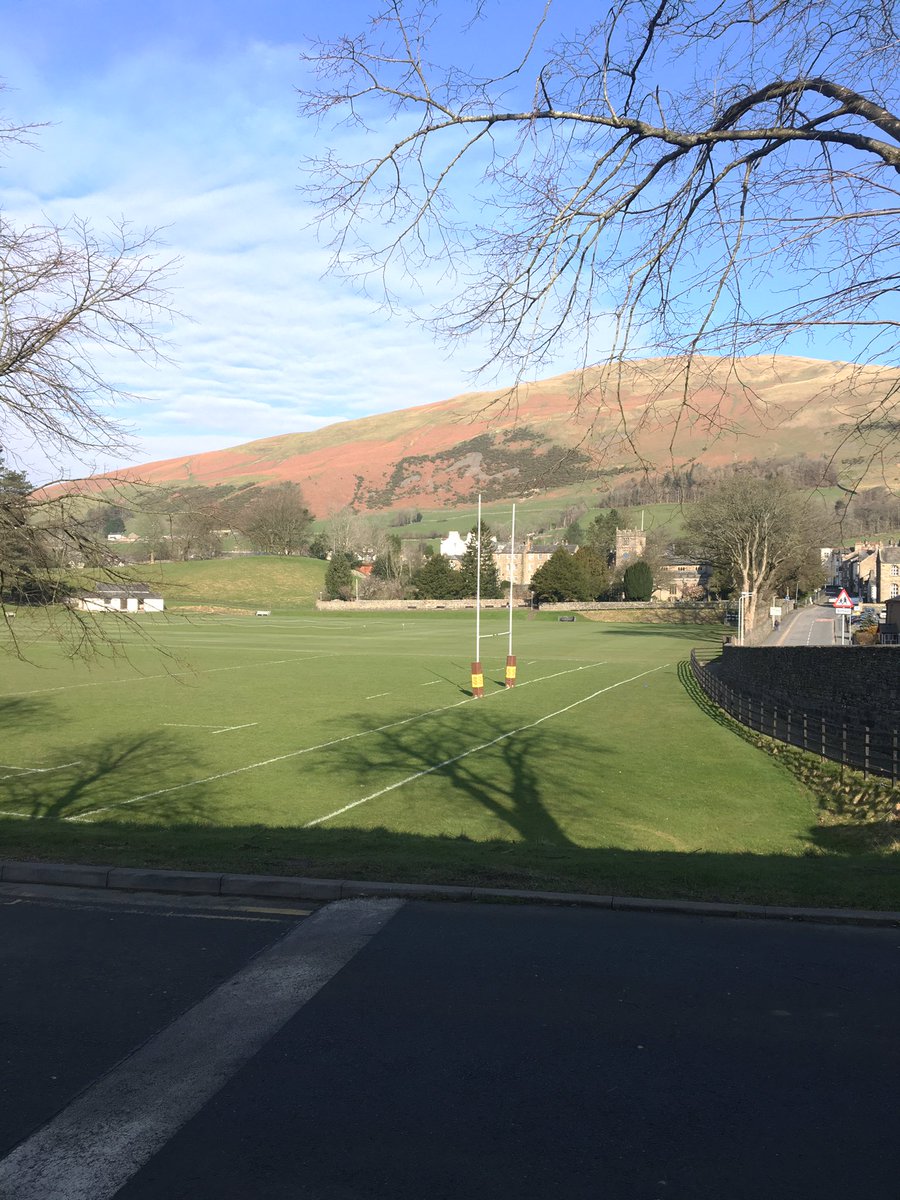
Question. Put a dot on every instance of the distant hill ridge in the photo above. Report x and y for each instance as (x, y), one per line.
(550, 433)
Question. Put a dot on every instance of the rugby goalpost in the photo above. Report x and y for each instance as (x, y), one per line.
(477, 670)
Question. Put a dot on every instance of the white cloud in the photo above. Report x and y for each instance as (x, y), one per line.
(210, 151)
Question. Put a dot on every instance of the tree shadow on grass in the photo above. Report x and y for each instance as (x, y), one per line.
(502, 771)
(103, 775)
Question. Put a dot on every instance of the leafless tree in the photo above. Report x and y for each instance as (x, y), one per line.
(348, 532)
(693, 179)
(72, 299)
(69, 296)
(277, 521)
(756, 534)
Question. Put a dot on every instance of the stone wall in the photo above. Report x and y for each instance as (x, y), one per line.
(358, 606)
(860, 679)
(652, 610)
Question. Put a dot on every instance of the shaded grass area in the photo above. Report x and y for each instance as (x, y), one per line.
(858, 881)
(856, 814)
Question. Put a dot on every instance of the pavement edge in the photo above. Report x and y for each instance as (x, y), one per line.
(293, 887)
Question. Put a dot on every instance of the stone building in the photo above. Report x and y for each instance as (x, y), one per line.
(630, 546)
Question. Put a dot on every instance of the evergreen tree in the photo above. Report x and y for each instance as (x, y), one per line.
(560, 578)
(638, 581)
(320, 546)
(17, 548)
(602, 534)
(437, 580)
(339, 578)
(596, 571)
(490, 578)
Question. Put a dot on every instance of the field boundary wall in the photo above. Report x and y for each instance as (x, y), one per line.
(660, 611)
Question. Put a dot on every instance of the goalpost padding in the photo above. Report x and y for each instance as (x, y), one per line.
(477, 681)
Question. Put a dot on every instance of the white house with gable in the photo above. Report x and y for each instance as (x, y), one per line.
(453, 546)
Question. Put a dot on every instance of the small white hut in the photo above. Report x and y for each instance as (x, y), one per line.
(119, 597)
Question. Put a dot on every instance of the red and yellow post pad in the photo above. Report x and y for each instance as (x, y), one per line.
(477, 680)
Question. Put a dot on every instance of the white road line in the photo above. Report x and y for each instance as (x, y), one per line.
(348, 737)
(475, 749)
(93, 1147)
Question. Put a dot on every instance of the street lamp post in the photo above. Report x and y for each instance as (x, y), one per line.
(744, 597)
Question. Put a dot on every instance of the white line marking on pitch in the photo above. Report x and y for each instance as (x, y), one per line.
(165, 675)
(214, 728)
(348, 737)
(27, 816)
(475, 749)
(90, 1149)
(17, 771)
(378, 696)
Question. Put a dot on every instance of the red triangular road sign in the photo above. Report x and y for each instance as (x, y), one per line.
(842, 601)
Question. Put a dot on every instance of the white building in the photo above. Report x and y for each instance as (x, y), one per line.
(119, 597)
(453, 546)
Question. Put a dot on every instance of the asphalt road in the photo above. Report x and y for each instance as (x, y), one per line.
(427, 1051)
(811, 625)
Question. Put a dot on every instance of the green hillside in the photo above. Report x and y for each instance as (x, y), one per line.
(247, 582)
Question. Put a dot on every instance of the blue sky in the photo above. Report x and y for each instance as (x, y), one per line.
(184, 115)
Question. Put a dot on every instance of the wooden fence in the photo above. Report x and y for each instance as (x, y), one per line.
(862, 742)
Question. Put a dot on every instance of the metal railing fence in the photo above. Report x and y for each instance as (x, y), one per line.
(863, 743)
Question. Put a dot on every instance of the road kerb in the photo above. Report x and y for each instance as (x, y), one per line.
(68, 874)
(304, 888)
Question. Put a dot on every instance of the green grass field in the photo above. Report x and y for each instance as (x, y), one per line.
(350, 746)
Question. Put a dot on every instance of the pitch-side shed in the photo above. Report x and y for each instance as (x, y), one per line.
(118, 597)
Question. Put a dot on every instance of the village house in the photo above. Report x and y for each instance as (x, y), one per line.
(887, 581)
(682, 579)
(861, 569)
(889, 628)
(528, 557)
(453, 546)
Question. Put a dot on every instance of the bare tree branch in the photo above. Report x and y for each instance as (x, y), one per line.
(687, 178)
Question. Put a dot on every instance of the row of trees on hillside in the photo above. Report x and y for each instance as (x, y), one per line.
(190, 523)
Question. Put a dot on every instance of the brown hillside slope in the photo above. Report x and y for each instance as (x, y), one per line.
(544, 433)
